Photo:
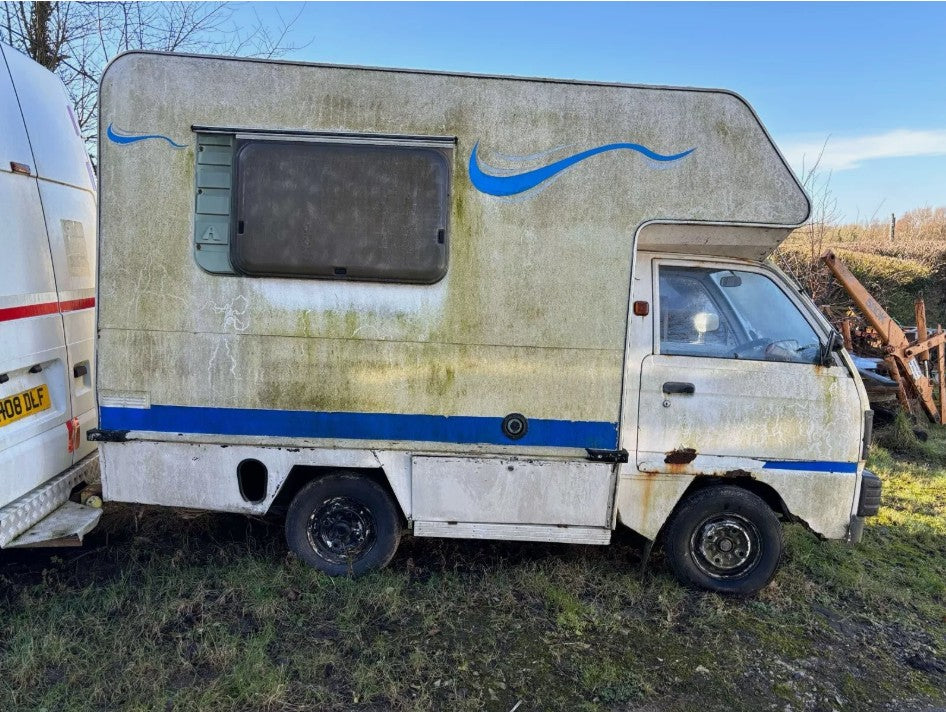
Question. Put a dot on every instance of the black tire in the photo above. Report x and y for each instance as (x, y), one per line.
(724, 539)
(343, 524)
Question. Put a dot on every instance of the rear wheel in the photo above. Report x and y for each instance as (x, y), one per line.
(724, 539)
(344, 525)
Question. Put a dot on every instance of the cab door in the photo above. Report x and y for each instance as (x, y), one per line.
(732, 384)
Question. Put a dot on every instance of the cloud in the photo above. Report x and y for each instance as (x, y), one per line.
(841, 154)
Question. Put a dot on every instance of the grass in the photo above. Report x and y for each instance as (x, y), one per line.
(162, 611)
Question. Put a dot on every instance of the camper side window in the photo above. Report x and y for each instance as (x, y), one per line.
(724, 313)
(326, 209)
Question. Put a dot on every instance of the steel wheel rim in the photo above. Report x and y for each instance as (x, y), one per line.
(726, 546)
(341, 530)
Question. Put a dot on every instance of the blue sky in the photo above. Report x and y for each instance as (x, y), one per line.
(868, 77)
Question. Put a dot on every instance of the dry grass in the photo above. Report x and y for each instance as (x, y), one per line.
(897, 272)
(920, 237)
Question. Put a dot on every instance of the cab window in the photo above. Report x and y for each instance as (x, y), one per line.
(725, 313)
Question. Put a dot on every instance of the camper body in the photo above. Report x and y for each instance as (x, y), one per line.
(473, 306)
(47, 299)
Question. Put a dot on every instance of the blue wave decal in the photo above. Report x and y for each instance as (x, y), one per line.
(504, 185)
(122, 138)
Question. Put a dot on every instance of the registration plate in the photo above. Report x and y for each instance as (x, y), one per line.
(23, 405)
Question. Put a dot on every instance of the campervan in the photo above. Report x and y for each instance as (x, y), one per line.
(377, 301)
(47, 300)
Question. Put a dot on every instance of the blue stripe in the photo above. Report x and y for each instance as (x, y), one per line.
(357, 426)
(810, 465)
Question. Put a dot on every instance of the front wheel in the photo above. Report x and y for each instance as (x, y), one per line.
(724, 539)
(344, 525)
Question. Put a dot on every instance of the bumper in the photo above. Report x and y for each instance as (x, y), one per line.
(868, 504)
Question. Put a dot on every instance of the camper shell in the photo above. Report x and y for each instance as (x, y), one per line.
(47, 302)
(472, 306)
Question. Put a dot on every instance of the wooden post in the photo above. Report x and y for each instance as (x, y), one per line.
(942, 377)
(893, 226)
(846, 333)
(919, 308)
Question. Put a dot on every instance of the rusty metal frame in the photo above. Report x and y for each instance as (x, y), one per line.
(914, 384)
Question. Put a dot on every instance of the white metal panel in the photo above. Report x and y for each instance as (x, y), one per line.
(645, 501)
(745, 241)
(511, 491)
(754, 409)
(14, 145)
(36, 447)
(824, 501)
(70, 223)
(25, 268)
(204, 476)
(514, 532)
(58, 150)
(83, 393)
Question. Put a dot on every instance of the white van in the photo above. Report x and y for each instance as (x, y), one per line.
(47, 305)
(467, 306)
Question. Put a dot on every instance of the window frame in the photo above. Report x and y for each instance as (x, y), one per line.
(443, 146)
(709, 263)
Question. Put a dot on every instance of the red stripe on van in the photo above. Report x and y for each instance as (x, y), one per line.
(28, 310)
(75, 304)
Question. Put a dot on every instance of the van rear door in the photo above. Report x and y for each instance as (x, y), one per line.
(34, 388)
(66, 189)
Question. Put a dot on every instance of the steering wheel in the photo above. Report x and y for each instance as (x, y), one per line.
(747, 349)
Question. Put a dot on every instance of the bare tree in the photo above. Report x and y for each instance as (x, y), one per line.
(822, 223)
(78, 39)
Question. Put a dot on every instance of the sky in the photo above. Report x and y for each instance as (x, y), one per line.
(866, 81)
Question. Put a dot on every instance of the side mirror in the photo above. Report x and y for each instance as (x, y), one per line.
(835, 343)
(704, 322)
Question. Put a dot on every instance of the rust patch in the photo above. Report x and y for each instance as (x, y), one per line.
(736, 473)
(680, 456)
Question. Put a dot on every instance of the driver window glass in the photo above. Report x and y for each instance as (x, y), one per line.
(723, 313)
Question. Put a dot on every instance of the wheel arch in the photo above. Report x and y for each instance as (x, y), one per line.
(766, 492)
(301, 475)
(645, 505)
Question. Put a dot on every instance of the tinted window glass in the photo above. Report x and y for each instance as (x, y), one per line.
(337, 210)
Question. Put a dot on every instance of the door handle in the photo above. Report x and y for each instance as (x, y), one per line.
(678, 387)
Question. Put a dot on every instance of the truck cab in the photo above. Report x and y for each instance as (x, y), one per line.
(733, 374)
